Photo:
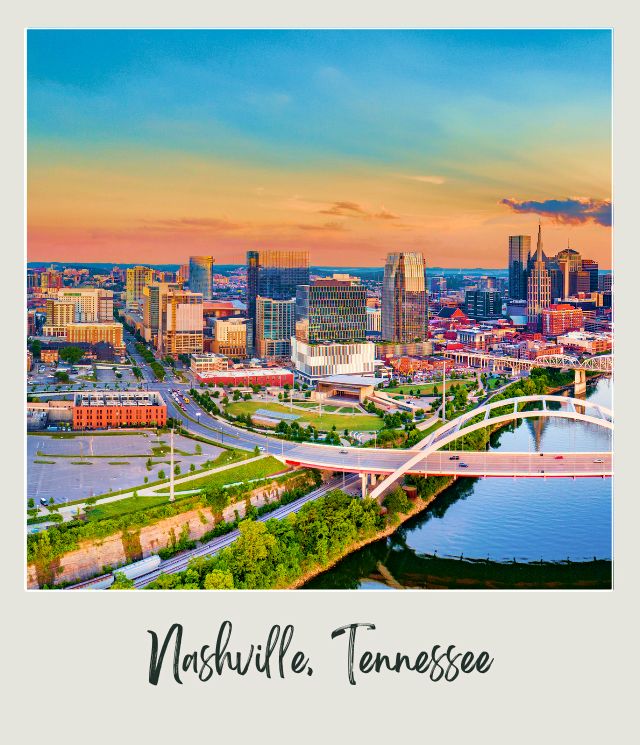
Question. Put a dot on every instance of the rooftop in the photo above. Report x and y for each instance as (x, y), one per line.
(147, 398)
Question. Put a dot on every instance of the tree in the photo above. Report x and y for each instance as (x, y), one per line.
(192, 467)
(176, 470)
(36, 347)
(161, 475)
(122, 582)
(62, 376)
(218, 580)
(216, 497)
(71, 354)
(198, 449)
(30, 503)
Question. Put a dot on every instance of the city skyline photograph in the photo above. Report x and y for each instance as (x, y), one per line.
(319, 310)
(150, 146)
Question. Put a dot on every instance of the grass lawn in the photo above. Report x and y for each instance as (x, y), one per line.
(123, 506)
(360, 423)
(256, 470)
(426, 389)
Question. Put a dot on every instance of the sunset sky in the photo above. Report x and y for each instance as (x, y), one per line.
(149, 146)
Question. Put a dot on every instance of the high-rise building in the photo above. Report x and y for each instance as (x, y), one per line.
(583, 282)
(483, 304)
(538, 288)
(181, 323)
(92, 304)
(591, 266)
(151, 308)
(59, 315)
(230, 336)
(93, 333)
(275, 325)
(404, 298)
(137, 278)
(331, 310)
(200, 275)
(605, 282)
(519, 250)
(183, 273)
(570, 263)
(276, 275)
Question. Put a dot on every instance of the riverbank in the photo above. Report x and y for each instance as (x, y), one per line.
(419, 504)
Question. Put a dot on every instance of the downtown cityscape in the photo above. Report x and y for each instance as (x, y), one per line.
(371, 401)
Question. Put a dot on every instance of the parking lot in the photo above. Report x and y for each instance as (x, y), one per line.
(81, 466)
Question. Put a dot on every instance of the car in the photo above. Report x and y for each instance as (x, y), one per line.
(344, 452)
(559, 457)
(542, 471)
(598, 460)
(454, 457)
(261, 448)
(43, 501)
(463, 465)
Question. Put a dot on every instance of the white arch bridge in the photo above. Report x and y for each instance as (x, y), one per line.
(428, 457)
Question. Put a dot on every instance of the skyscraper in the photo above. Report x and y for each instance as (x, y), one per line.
(483, 304)
(181, 323)
(538, 288)
(570, 263)
(519, 250)
(200, 275)
(275, 323)
(404, 298)
(276, 275)
(137, 278)
(331, 310)
(591, 266)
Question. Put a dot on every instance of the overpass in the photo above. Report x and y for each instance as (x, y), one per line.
(597, 363)
(429, 458)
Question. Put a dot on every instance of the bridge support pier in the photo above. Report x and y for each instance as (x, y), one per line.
(580, 382)
(364, 482)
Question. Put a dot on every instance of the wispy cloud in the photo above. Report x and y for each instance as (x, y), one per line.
(353, 209)
(214, 224)
(327, 227)
(437, 180)
(569, 211)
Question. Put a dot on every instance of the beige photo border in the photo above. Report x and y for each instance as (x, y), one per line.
(563, 669)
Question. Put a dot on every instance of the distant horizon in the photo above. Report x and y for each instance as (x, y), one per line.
(148, 145)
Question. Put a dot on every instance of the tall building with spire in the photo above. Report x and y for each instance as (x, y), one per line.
(538, 288)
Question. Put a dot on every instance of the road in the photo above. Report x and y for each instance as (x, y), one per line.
(372, 460)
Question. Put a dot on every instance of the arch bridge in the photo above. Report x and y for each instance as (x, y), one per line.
(556, 464)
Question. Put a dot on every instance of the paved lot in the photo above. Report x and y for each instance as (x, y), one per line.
(61, 477)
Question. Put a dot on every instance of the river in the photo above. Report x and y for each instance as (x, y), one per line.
(501, 532)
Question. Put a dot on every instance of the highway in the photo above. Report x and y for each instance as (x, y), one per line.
(380, 460)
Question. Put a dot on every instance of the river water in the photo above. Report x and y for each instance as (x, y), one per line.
(499, 520)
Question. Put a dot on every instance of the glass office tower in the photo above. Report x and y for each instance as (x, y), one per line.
(404, 298)
(276, 275)
(519, 250)
(201, 275)
(331, 310)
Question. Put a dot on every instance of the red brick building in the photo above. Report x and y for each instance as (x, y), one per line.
(109, 410)
(561, 317)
